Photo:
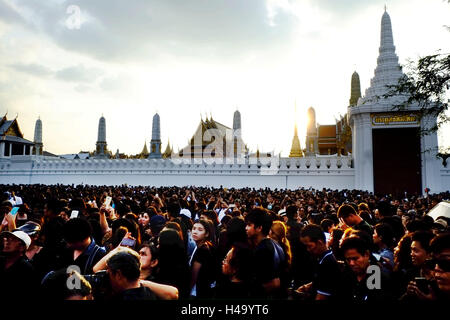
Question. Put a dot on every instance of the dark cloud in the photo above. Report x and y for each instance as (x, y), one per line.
(33, 69)
(140, 29)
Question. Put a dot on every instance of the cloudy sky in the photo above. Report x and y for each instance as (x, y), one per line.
(189, 58)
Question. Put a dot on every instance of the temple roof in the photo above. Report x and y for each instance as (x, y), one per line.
(10, 128)
(5, 126)
(327, 131)
(16, 139)
(209, 124)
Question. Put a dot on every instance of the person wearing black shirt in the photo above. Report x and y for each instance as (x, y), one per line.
(361, 283)
(202, 262)
(17, 275)
(327, 277)
(348, 214)
(124, 271)
(269, 258)
(236, 266)
(82, 250)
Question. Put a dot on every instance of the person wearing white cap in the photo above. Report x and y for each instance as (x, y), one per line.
(17, 275)
(18, 235)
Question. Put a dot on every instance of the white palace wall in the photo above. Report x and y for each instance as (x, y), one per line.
(283, 173)
(291, 173)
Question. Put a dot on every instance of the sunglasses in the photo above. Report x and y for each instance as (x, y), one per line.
(443, 264)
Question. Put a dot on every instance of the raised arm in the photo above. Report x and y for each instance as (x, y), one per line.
(163, 291)
(101, 265)
(103, 222)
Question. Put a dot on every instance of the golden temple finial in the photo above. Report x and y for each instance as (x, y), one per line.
(296, 151)
(355, 90)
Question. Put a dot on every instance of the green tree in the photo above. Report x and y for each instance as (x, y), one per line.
(426, 84)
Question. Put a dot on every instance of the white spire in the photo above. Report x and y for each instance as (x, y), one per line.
(311, 126)
(388, 70)
(156, 129)
(237, 120)
(155, 143)
(101, 130)
(38, 131)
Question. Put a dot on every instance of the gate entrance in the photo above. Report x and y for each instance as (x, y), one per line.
(397, 161)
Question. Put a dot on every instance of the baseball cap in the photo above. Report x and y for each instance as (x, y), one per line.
(21, 236)
(440, 223)
(186, 213)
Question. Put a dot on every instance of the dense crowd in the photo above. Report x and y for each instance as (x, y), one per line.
(145, 243)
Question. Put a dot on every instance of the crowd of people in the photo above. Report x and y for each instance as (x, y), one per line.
(145, 243)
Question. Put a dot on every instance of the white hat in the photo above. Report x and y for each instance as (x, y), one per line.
(441, 222)
(222, 214)
(20, 235)
(186, 212)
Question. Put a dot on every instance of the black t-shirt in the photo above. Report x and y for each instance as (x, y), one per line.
(206, 276)
(234, 290)
(264, 262)
(364, 226)
(135, 294)
(358, 291)
(268, 264)
(86, 261)
(19, 281)
(302, 268)
(327, 278)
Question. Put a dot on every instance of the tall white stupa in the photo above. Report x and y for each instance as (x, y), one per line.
(388, 70)
(155, 143)
(101, 150)
(38, 145)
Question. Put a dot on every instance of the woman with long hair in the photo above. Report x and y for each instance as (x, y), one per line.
(237, 268)
(202, 261)
(278, 232)
(173, 266)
